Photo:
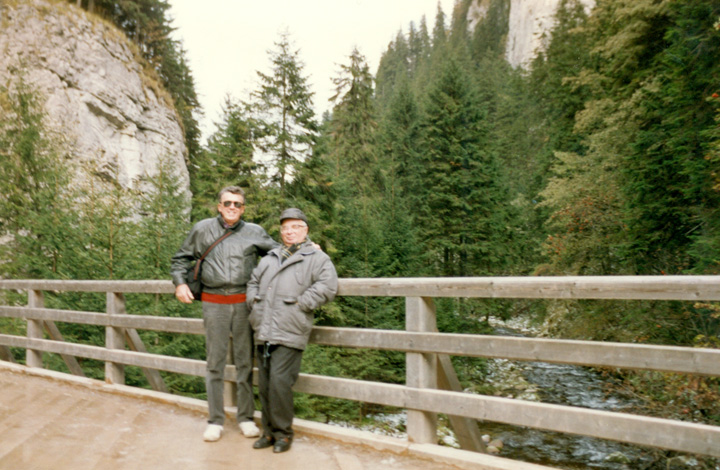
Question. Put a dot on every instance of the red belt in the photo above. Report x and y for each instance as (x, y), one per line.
(223, 299)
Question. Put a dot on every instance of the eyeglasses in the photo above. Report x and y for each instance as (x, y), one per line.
(237, 204)
(293, 228)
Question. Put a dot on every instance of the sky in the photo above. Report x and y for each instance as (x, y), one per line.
(227, 41)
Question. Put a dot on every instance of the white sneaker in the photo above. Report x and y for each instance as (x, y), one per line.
(248, 429)
(212, 432)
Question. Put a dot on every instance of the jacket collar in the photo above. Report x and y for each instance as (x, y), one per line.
(307, 248)
(237, 226)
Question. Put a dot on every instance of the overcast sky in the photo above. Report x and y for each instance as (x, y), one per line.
(227, 41)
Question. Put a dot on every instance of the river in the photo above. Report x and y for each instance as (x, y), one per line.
(557, 384)
(569, 385)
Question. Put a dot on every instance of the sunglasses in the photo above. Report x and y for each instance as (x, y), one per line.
(237, 204)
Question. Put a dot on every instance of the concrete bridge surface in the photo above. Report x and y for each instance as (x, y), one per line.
(54, 421)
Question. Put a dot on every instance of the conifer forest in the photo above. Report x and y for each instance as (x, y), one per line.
(601, 158)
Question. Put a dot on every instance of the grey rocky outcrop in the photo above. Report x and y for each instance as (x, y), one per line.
(529, 25)
(116, 120)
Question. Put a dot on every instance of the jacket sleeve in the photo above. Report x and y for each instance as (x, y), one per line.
(253, 285)
(183, 259)
(265, 243)
(323, 288)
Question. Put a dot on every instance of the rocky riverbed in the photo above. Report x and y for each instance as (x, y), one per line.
(549, 383)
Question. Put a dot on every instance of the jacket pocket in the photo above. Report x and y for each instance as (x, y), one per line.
(255, 317)
(298, 322)
(252, 302)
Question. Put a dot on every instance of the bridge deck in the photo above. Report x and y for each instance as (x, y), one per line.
(48, 423)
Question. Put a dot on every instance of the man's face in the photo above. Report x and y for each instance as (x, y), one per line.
(293, 231)
(231, 207)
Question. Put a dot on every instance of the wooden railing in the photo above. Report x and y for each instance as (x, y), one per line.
(428, 370)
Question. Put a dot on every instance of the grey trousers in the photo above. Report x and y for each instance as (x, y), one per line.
(278, 368)
(221, 321)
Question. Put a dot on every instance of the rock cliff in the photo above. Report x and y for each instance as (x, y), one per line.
(117, 121)
(529, 24)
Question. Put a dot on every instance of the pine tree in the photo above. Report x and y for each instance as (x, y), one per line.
(358, 175)
(464, 193)
(419, 44)
(314, 189)
(399, 134)
(163, 225)
(439, 34)
(287, 129)
(666, 176)
(354, 123)
(489, 35)
(36, 199)
(394, 63)
(107, 233)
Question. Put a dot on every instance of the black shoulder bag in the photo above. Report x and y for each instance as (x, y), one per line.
(193, 274)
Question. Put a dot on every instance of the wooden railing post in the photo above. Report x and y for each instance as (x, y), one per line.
(114, 338)
(36, 299)
(421, 369)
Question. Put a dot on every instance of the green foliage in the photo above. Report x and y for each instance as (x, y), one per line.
(52, 230)
(705, 249)
(283, 107)
(464, 211)
(314, 190)
(227, 160)
(353, 126)
(666, 175)
(358, 175)
(163, 224)
(675, 396)
(488, 37)
(394, 64)
(387, 367)
(36, 199)
(640, 187)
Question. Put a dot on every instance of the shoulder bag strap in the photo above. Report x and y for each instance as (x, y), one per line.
(215, 243)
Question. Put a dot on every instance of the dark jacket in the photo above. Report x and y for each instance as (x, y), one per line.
(283, 296)
(227, 268)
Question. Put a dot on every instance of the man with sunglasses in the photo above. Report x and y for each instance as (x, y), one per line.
(225, 272)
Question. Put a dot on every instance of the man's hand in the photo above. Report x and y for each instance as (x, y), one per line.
(183, 294)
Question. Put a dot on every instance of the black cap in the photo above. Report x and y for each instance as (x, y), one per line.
(293, 213)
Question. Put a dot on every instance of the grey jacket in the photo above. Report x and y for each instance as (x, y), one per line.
(283, 296)
(227, 268)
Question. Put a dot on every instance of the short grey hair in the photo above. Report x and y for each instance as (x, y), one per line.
(233, 190)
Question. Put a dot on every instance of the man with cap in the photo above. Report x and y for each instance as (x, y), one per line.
(287, 285)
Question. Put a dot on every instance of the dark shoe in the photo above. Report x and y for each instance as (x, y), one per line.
(264, 442)
(282, 445)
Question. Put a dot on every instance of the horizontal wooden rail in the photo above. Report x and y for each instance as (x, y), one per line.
(550, 287)
(669, 434)
(125, 287)
(152, 361)
(539, 287)
(674, 435)
(587, 353)
(140, 322)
